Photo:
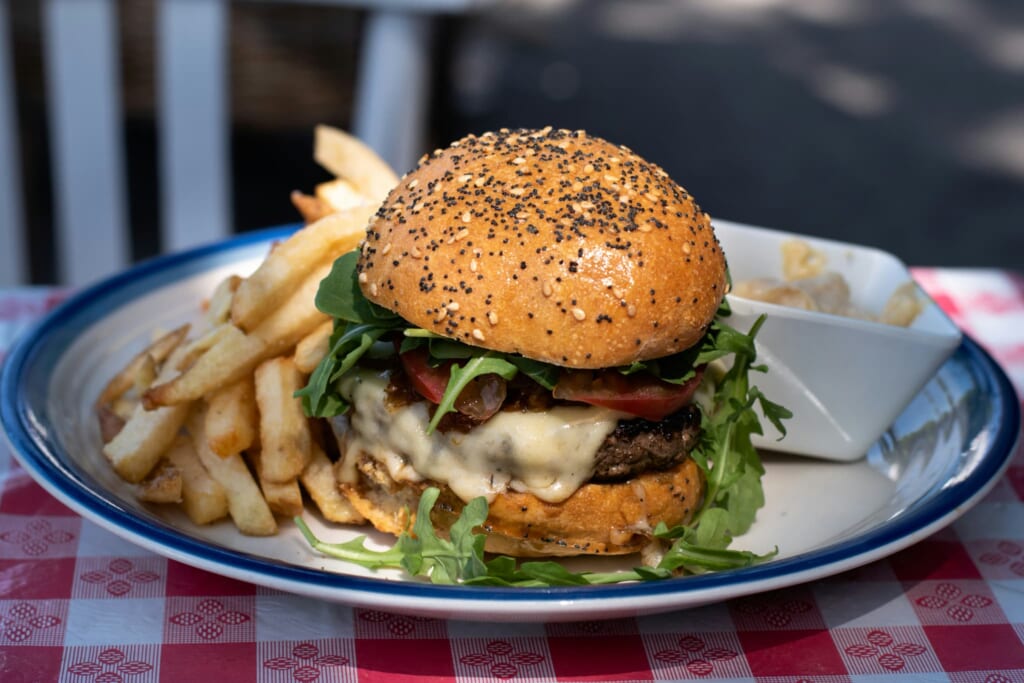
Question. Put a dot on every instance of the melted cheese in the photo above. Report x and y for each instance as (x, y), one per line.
(549, 454)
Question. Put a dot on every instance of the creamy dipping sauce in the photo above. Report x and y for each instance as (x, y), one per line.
(808, 285)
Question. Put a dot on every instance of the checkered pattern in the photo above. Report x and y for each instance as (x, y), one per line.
(77, 604)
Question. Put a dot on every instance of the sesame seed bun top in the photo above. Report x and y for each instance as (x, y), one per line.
(548, 243)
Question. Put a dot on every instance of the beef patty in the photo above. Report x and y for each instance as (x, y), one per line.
(639, 445)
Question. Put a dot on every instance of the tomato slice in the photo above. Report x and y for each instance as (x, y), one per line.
(429, 381)
(480, 399)
(640, 395)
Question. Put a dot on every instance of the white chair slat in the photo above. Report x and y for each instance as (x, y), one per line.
(393, 85)
(84, 95)
(193, 122)
(13, 243)
(84, 105)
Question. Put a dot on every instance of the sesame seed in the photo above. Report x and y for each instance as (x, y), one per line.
(631, 311)
(546, 289)
(462, 234)
(441, 314)
(579, 314)
(386, 249)
(467, 216)
(417, 206)
(415, 252)
(610, 178)
(363, 278)
(686, 248)
(465, 178)
(472, 265)
(646, 227)
(618, 292)
(517, 192)
(453, 306)
(478, 335)
(519, 160)
(492, 318)
(479, 182)
(414, 182)
(589, 168)
(373, 289)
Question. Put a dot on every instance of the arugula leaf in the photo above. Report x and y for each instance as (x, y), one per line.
(339, 296)
(731, 464)
(462, 375)
(348, 344)
(540, 372)
(421, 552)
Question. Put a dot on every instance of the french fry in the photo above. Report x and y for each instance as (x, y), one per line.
(237, 354)
(232, 418)
(296, 317)
(233, 357)
(339, 194)
(320, 483)
(211, 422)
(313, 347)
(285, 439)
(146, 435)
(162, 485)
(284, 498)
(218, 307)
(110, 422)
(128, 377)
(248, 509)
(203, 343)
(289, 262)
(348, 157)
(202, 498)
(310, 208)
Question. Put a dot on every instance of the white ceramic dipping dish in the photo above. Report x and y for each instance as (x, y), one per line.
(846, 380)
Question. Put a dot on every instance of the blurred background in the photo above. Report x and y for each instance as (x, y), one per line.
(893, 123)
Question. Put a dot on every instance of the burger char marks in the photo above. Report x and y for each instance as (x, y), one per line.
(637, 446)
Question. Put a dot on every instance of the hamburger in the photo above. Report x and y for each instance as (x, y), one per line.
(535, 317)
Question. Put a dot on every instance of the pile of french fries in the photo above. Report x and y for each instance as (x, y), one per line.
(205, 416)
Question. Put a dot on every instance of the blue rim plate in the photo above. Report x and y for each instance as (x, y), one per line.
(940, 457)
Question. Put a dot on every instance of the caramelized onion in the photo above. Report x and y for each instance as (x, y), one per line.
(482, 397)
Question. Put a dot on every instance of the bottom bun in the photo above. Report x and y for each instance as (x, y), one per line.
(598, 519)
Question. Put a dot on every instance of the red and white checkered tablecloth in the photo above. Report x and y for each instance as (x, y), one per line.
(79, 604)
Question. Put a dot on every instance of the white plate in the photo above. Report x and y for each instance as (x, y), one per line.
(943, 453)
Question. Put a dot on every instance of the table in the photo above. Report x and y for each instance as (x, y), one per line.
(79, 604)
